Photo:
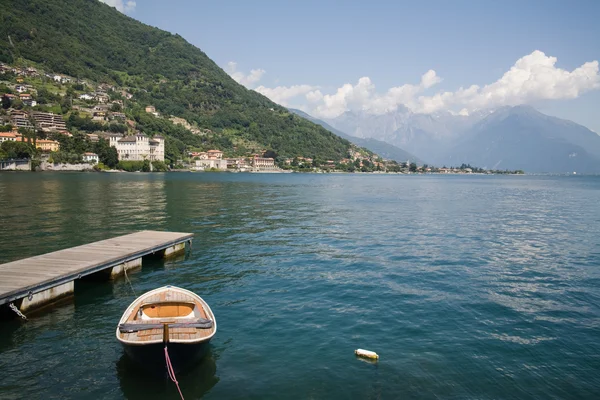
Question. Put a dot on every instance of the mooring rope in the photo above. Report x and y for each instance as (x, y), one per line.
(128, 281)
(172, 372)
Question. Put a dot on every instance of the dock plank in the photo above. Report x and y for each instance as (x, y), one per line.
(43, 271)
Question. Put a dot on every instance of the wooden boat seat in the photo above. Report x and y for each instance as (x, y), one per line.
(201, 323)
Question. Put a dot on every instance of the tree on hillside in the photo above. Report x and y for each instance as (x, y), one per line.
(5, 102)
(17, 149)
(107, 154)
(29, 135)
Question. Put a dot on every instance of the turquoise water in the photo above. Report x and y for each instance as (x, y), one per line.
(479, 287)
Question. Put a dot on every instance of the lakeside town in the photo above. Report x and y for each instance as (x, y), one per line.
(55, 122)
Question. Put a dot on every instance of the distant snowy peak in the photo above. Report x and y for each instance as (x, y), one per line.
(484, 136)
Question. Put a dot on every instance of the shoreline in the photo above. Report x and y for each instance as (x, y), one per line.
(113, 171)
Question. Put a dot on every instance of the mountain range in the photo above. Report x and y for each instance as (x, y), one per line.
(518, 137)
(386, 150)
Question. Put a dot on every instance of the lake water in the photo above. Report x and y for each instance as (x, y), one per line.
(479, 287)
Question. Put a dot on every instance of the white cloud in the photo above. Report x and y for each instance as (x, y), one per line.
(281, 94)
(362, 96)
(532, 78)
(429, 79)
(314, 96)
(247, 80)
(121, 5)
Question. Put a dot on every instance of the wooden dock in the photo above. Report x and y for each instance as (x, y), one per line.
(36, 281)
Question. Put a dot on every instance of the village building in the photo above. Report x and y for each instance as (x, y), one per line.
(30, 71)
(214, 154)
(47, 145)
(20, 119)
(9, 137)
(240, 164)
(202, 155)
(118, 115)
(49, 122)
(100, 112)
(105, 87)
(61, 78)
(138, 147)
(102, 98)
(86, 96)
(152, 110)
(263, 164)
(212, 163)
(99, 116)
(43, 144)
(90, 157)
(27, 100)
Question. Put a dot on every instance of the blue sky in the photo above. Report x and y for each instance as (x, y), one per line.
(304, 52)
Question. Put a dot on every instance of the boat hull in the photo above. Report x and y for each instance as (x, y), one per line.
(152, 356)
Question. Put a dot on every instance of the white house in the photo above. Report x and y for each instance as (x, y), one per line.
(90, 157)
(9, 136)
(61, 79)
(86, 96)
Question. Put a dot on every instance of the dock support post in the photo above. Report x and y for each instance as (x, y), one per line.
(173, 250)
(120, 269)
(47, 296)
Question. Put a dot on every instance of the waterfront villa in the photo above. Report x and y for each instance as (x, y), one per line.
(263, 164)
(138, 147)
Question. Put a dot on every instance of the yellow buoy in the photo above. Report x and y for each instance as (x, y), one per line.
(366, 354)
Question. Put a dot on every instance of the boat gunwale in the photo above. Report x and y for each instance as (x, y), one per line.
(139, 300)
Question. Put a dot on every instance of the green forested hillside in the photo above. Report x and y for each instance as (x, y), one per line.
(88, 39)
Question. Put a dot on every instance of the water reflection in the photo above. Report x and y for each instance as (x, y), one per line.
(62, 210)
(135, 382)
